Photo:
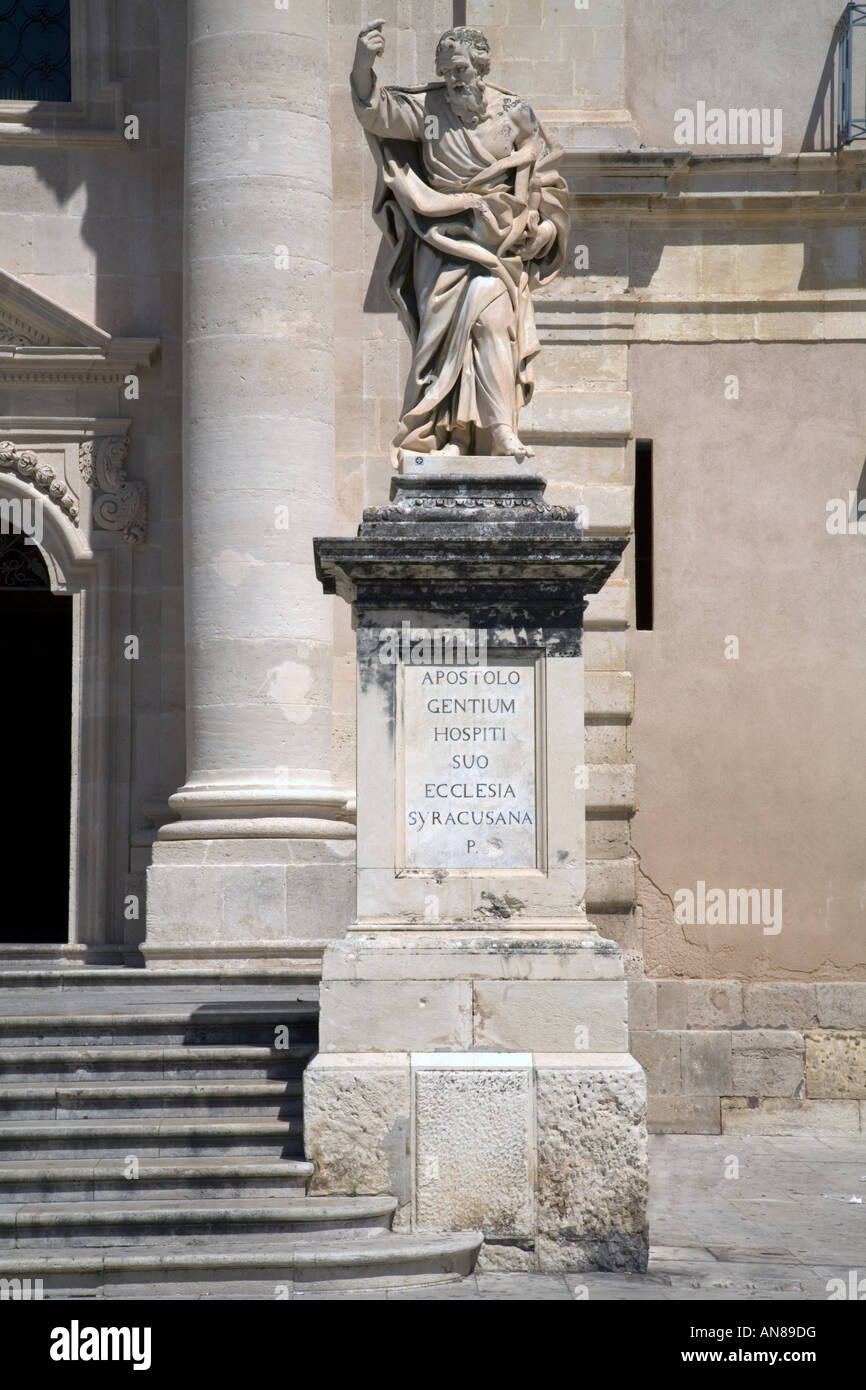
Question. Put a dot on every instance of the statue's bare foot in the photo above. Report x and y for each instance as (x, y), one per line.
(458, 443)
(505, 441)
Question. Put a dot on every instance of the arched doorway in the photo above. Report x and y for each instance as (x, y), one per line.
(36, 762)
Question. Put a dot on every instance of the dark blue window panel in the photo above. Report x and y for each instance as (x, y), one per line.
(34, 50)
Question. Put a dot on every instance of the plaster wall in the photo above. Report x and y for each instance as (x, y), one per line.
(750, 770)
(778, 54)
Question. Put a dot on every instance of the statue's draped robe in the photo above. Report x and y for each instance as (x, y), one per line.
(449, 264)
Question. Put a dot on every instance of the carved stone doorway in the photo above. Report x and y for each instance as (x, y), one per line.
(36, 756)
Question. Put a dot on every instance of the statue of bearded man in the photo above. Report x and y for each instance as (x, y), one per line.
(474, 214)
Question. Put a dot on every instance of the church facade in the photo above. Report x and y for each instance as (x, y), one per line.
(201, 371)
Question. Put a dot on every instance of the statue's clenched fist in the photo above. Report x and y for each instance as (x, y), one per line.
(370, 45)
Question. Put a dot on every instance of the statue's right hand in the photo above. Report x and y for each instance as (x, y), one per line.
(370, 45)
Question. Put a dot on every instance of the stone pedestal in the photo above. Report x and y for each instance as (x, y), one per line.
(474, 1056)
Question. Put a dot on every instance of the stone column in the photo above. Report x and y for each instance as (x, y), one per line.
(261, 852)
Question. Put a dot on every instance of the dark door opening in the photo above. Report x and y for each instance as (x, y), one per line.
(36, 712)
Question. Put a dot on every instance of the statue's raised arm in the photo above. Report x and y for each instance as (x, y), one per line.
(370, 46)
(474, 211)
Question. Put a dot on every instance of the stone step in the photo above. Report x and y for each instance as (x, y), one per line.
(24, 954)
(232, 1025)
(108, 1224)
(151, 1138)
(71, 977)
(264, 1267)
(64, 1064)
(35, 1004)
(192, 1099)
(158, 1179)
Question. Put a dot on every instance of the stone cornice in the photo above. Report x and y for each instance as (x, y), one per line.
(679, 183)
(44, 320)
(623, 306)
(648, 315)
(57, 132)
(42, 342)
(59, 366)
(473, 542)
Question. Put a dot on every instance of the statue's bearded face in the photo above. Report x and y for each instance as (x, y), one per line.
(464, 87)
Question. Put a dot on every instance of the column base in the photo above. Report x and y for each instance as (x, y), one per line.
(242, 900)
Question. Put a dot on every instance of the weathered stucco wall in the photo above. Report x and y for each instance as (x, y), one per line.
(749, 769)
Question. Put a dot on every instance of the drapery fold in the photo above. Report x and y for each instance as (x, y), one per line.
(469, 237)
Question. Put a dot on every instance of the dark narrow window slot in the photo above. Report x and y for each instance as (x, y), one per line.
(643, 535)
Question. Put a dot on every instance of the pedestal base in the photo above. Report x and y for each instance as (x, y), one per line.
(474, 1051)
(483, 1079)
(545, 1153)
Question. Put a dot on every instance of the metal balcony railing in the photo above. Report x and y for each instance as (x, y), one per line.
(851, 115)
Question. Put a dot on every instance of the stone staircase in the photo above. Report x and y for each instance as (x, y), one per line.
(151, 1143)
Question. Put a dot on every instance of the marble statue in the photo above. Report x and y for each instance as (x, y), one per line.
(474, 215)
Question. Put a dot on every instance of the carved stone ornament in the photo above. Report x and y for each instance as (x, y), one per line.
(120, 503)
(14, 336)
(26, 464)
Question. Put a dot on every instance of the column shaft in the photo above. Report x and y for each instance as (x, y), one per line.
(258, 473)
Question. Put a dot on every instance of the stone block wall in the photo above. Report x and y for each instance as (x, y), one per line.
(557, 53)
(727, 1056)
(579, 421)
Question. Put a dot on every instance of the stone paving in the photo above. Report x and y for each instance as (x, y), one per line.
(779, 1227)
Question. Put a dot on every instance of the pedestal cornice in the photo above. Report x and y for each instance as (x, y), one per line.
(467, 541)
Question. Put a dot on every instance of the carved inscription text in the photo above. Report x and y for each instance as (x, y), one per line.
(470, 759)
